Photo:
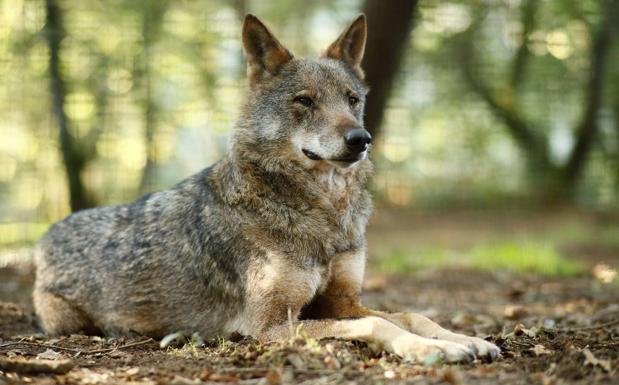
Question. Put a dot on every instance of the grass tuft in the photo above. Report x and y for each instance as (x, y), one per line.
(530, 257)
(515, 256)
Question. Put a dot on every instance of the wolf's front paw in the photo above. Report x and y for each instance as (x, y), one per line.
(420, 349)
(481, 348)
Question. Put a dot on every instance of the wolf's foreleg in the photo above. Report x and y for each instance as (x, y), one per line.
(342, 298)
(277, 290)
(423, 326)
(374, 330)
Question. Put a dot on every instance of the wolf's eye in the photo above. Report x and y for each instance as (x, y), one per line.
(305, 101)
(353, 100)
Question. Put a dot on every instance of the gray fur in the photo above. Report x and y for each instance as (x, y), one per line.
(178, 259)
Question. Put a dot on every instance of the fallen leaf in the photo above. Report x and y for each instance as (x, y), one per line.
(539, 350)
(604, 273)
(49, 354)
(223, 377)
(520, 330)
(463, 319)
(91, 377)
(543, 378)
(274, 377)
(590, 359)
(205, 374)
(451, 377)
(515, 312)
(178, 380)
(332, 362)
(133, 371)
(330, 348)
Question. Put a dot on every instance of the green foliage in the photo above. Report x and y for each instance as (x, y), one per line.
(154, 88)
(406, 261)
(531, 257)
(514, 256)
(551, 243)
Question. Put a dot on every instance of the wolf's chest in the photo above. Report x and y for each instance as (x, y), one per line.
(317, 273)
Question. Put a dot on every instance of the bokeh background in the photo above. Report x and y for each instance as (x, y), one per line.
(496, 122)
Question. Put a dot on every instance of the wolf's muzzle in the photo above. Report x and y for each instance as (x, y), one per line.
(357, 140)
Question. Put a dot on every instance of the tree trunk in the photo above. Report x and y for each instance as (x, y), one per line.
(152, 18)
(588, 128)
(389, 26)
(553, 184)
(73, 161)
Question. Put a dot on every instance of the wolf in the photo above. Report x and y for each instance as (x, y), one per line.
(271, 235)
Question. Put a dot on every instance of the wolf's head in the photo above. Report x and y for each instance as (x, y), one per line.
(306, 111)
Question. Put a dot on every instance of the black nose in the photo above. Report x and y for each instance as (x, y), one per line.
(357, 139)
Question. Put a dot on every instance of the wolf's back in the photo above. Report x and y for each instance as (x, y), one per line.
(152, 259)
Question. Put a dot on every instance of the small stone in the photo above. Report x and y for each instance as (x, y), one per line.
(549, 324)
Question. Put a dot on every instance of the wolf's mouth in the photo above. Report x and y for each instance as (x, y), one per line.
(311, 155)
(348, 159)
(351, 159)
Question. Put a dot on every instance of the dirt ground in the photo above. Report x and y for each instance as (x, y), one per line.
(551, 331)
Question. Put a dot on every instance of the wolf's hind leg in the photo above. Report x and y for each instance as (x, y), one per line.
(58, 317)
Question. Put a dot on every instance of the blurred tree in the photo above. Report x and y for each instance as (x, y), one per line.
(73, 158)
(240, 9)
(389, 26)
(588, 128)
(553, 182)
(152, 13)
(612, 147)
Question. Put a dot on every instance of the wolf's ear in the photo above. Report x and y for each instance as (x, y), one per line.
(349, 47)
(265, 54)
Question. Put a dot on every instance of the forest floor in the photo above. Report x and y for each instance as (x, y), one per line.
(551, 329)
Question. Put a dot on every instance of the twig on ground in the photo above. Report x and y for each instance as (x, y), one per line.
(524, 344)
(259, 369)
(589, 328)
(243, 370)
(13, 343)
(72, 350)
